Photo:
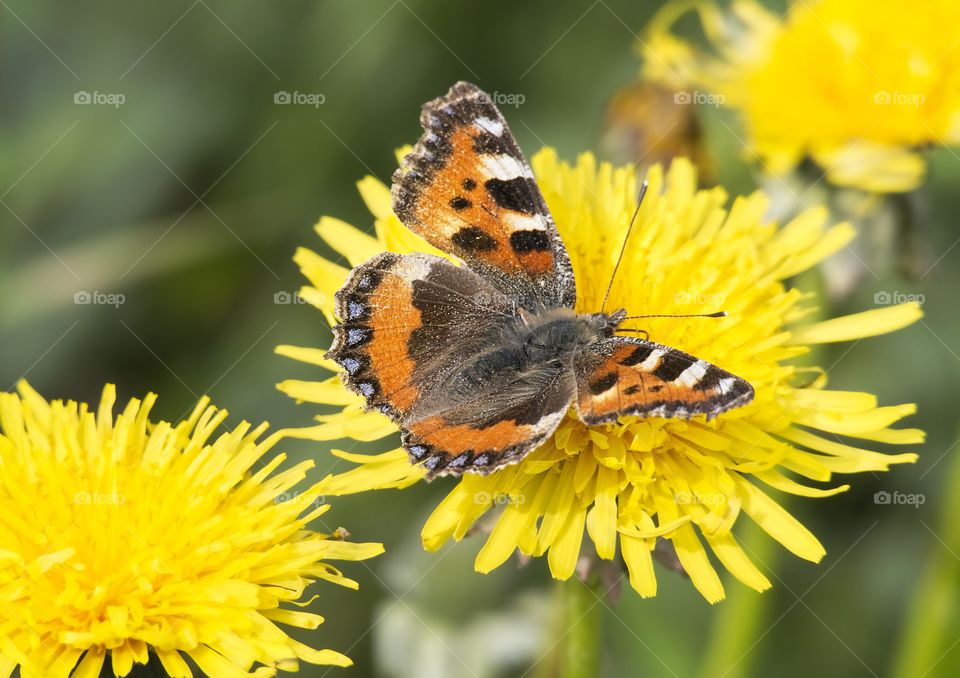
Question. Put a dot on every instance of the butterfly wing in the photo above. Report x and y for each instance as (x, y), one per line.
(412, 328)
(494, 426)
(467, 189)
(399, 317)
(627, 376)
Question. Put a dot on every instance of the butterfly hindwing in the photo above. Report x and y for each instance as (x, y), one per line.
(494, 427)
(397, 313)
(467, 189)
(627, 376)
(411, 329)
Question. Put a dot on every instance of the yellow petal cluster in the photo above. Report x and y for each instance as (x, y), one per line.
(859, 86)
(127, 541)
(627, 484)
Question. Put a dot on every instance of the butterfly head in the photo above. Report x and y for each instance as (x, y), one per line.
(608, 322)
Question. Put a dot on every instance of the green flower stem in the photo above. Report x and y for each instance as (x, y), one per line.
(934, 608)
(742, 617)
(583, 617)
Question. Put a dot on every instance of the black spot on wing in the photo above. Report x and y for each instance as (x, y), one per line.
(631, 390)
(469, 184)
(639, 354)
(529, 241)
(512, 194)
(459, 203)
(603, 384)
(710, 379)
(671, 366)
(474, 239)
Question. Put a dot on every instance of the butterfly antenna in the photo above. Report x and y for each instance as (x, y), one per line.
(623, 248)
(718, 314)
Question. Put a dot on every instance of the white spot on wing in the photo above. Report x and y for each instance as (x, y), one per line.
(523, 222)
(415, 268)
(726, 385)
(504, 167)
(494, 127)
(650, 364)
(691, 376)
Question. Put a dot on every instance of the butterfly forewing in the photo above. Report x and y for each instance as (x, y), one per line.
(624, 376)
(468, 190)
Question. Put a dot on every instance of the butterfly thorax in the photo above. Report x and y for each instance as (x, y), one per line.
(528, 354)
(561, 335)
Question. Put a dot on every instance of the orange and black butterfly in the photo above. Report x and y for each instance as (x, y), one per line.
(479, 363)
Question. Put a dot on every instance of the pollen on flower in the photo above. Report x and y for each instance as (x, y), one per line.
(626, 484)
(125, 540)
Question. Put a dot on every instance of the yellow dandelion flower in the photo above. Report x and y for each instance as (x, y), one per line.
(859, 86)
(153, 542)
(631, 482)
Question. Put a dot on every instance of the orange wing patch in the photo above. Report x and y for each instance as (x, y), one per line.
(641, 378)
(481, 208)
(391, 333)
(467, 189)
(446, 449)
(457, 439)
(378, 320)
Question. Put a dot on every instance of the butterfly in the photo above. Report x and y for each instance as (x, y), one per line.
(479, 363)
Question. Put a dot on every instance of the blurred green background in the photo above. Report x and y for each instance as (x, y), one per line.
(185, 188)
